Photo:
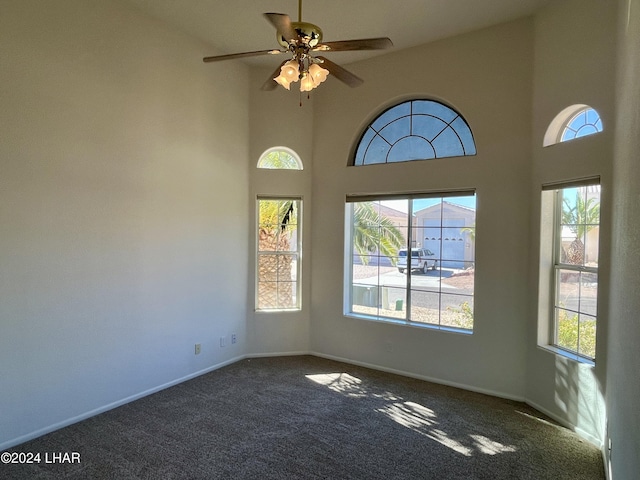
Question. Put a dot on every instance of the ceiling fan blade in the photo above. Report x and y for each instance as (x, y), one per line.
(282, 23)
(361, 44)
(341, 73)
(271, 84)
(231, 56)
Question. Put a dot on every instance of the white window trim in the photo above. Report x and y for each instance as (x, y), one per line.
(348, 254)
(555, 130)
(550, 244)
(298, 252)
(468, 150)
(287, 150)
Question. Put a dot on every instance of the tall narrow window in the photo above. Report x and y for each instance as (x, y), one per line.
(412, 259)
(278, 256)
(575, 269)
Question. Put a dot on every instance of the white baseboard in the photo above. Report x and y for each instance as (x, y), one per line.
(607, 464)
(277, 354)
(584, 434)
(43, 431)
(439, 381)
(91, 413)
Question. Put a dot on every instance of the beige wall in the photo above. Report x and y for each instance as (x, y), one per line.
(623, 361)
(123, 200)
(127, 206)
(574, 61)
(487, 76)
(277, 119)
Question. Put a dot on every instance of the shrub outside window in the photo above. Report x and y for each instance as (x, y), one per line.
(433, 289)
(278, 255)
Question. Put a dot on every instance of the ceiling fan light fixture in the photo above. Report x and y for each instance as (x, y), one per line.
(289, 73)
(281, 80)
(290, 70)
(318, 73)
(307, 83)
(300, 40)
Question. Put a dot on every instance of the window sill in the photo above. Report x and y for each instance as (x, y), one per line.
(564, 353)
(279, 310)
(404, 323)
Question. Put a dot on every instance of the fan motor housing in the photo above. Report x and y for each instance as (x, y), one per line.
(308, 34)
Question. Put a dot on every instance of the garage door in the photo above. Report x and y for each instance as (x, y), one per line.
(446, 242)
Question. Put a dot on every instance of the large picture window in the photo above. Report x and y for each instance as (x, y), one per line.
(411, 259)
(575, 268)
(278, 256)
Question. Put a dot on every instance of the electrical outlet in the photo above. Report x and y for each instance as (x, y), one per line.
(197, 349)
(234, 338)
(223, 341)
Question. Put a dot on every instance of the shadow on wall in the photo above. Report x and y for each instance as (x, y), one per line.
(578, 395)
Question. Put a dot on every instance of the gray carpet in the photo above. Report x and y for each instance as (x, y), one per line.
(311, 418)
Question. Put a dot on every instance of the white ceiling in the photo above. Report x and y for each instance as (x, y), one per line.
(233, 26)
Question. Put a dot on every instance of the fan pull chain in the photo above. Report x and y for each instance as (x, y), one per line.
(308, 97)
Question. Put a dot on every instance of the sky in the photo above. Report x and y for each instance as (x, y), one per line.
(420, 203)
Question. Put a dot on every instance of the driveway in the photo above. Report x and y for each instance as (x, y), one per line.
(419, 281)
(427, 290)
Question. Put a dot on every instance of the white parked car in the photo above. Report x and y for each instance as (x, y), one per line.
(421, 259)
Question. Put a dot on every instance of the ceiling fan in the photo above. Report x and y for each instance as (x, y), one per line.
(302, 40)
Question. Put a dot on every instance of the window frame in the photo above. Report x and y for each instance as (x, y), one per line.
(569, 125)
(417, 131)
(349, 254)
(261, 159)
(296, 253)
(555, 132)
(556, 266)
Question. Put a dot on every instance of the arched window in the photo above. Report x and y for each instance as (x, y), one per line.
(585, 122)
(415, 130)
(573, 122)
(281, 158)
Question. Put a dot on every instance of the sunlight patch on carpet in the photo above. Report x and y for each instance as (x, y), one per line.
(421, 419)
(341, 383)
(490, 447)
(411, 415)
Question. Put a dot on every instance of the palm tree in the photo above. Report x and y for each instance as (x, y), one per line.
(277, 224)
(580, 219)
(374, 232)
(471, 230)
(279, 159)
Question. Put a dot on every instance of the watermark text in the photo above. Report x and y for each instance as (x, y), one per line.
(38, 457)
